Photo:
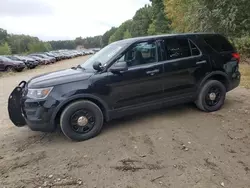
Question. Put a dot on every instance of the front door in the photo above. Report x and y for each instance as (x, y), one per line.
(142, 82)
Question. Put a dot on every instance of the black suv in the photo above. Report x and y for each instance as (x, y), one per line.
(126, 77)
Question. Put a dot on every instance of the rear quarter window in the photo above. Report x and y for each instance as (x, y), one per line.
(219, 43)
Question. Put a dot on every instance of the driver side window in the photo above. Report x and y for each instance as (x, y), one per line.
(140, 54)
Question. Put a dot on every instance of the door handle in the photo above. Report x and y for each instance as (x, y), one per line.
(201, 62)
(153, 72)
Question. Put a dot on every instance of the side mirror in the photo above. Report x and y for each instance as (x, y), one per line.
(118, 67)
(97, 66)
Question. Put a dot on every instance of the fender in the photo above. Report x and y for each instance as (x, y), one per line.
(215, 73)
(76, 97)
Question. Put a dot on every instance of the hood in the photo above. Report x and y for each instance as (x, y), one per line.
(59, 77)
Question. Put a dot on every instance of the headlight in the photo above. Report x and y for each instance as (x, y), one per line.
(39, 93)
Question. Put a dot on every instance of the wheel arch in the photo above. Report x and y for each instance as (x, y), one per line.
(216, 75)
(99, 102)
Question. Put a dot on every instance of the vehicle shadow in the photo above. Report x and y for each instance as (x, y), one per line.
(137, 120)
(168, 112)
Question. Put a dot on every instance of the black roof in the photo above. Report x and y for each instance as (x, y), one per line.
(136, 39)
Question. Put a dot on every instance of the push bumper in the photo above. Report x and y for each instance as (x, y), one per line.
(14, 106)
(29, 112)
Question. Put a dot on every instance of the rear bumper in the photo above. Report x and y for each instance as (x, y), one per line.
(235, 82)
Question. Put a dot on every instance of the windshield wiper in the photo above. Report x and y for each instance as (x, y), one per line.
(78, 67)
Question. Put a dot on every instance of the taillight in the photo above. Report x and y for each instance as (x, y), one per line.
(236, 56)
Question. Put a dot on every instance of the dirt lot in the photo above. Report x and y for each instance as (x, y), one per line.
(179, 147)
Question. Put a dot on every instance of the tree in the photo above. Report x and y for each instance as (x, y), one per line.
(160, 22)
(141, 21)
(20, 43)
(39, 47)
(3, 35)
(119, 34)
(106, 36)
(231, 18)
(63, 44)
(5, 49)
(127, 34)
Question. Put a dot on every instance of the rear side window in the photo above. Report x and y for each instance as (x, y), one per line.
(218, 43)
(177, 48)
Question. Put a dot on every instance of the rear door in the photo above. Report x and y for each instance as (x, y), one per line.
(184, 64)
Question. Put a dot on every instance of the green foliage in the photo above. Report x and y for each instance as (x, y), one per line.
(107, 35)
(231, 18)
(127, 34)
(89, 42)
(39, 47)
(119, 33)
(5, 49)
(243, 45)
(3, 35)
(141, 21)
(160, 24)
(20, 43)
(63, 44)
(148, 20)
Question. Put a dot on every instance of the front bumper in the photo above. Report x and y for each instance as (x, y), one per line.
(33, 113)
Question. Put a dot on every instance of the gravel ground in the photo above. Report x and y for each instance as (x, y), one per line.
(177, 147)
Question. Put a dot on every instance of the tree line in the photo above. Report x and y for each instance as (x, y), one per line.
(231, 18)
(25, 44)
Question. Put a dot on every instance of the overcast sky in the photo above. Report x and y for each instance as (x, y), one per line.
(65, 19)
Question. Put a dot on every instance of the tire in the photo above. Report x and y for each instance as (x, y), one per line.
(9, 69)
(71, 115)
(217, 90)
(19, 70)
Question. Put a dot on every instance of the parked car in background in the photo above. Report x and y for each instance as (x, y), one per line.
(50, 54)
(44, 56)
(7, 64)
(30, 63)
(19, 62)
(42, 61)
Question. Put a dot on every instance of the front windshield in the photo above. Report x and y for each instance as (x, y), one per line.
(103, 56)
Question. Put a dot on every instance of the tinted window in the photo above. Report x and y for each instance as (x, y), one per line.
(177, 48)
(141, 53)
(194, 49)
(218, 43)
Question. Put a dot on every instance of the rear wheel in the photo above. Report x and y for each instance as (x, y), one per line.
(81, 120)
(212, 96)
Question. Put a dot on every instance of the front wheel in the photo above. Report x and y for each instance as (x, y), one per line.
(212, 96)
(81, 120)
(9, 69)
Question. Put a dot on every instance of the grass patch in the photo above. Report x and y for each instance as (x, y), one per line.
(245, 75)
